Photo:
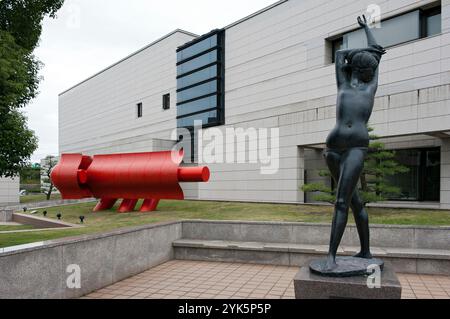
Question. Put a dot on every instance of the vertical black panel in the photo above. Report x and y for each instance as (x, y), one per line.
(201, 80)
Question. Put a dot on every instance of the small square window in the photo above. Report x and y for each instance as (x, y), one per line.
(139, 110)
(166, 101)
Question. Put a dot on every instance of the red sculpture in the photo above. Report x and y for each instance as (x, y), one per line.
(131, 177)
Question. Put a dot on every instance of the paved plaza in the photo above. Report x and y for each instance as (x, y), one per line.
(214, 280)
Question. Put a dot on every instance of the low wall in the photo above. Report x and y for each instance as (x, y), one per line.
(39, 222)
(48, 204)
(41, 272)
(411, 237)
(415, 250)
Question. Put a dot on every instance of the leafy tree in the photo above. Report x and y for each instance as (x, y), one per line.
(46, 170)
(30, 175)
(19, 79)
(17, 143)
(20, 30)
(23, 19)
(374, 185)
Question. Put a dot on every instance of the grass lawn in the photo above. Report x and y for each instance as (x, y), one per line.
(15, 227)
(34, 198)
(178, 210)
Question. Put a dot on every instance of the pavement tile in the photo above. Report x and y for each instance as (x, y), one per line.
(206, 280)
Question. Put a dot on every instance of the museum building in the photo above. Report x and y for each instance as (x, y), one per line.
(275, 69)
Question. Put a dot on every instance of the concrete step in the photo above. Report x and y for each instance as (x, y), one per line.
(422, 261)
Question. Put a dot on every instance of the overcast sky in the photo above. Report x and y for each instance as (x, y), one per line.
(89, 35)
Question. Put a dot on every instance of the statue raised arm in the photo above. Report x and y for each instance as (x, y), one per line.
(348, 142)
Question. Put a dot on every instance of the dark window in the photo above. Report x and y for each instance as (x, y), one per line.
(336, 45)
(166, 101)
(432, 24)
(196, 106)
(197, 91)
(197, 63)
(401, 29)
(200, 81)
(197, 77)
(139, 110)
(197, 48)
(422, 182)
(206, 119)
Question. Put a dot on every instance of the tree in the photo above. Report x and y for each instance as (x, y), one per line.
(20, 30)
(47, 186)
(374, 185)
(17, 143)
(23, 19)
(19, 79)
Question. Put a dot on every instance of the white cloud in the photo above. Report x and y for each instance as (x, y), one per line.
(90, 35)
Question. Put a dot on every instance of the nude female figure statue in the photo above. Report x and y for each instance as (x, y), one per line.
(347, 144)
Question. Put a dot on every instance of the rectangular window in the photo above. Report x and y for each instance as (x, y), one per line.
(422, 182)
(401, 29)
(200, 81)
(197, 63)
(197, 106)
(197, 48)
(197, 91)
(139, 110)
(394, 31)
(166, 101)
(432, 22)
(197, 77)
(206, 119)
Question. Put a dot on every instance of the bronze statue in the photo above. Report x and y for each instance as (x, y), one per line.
(348, 142)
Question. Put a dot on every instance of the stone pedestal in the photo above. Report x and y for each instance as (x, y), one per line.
(311, 286)
(6, 216)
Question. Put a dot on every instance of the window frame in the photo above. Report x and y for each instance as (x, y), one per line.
(166, 102)
(140, 110)
(215, 80)
(424, 14)
(422, 152)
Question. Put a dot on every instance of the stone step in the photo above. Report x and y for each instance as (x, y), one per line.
(423, 261)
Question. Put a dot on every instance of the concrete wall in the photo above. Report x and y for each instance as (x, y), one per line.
(445, 174)
(100, 116)
(416, 250)
(41, 272)
(408, 237)
(9, 191)
(278, 75)
(6, 215)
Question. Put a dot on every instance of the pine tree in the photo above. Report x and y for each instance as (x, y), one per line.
(374, 185)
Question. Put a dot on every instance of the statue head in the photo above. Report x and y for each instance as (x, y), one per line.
(363, 65)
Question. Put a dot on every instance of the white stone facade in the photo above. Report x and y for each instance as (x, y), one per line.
(9, 191)
(278, 74)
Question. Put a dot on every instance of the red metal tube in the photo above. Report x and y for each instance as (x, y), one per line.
(193, 174)
(105, 204)
(82, 177)
(132, 176)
